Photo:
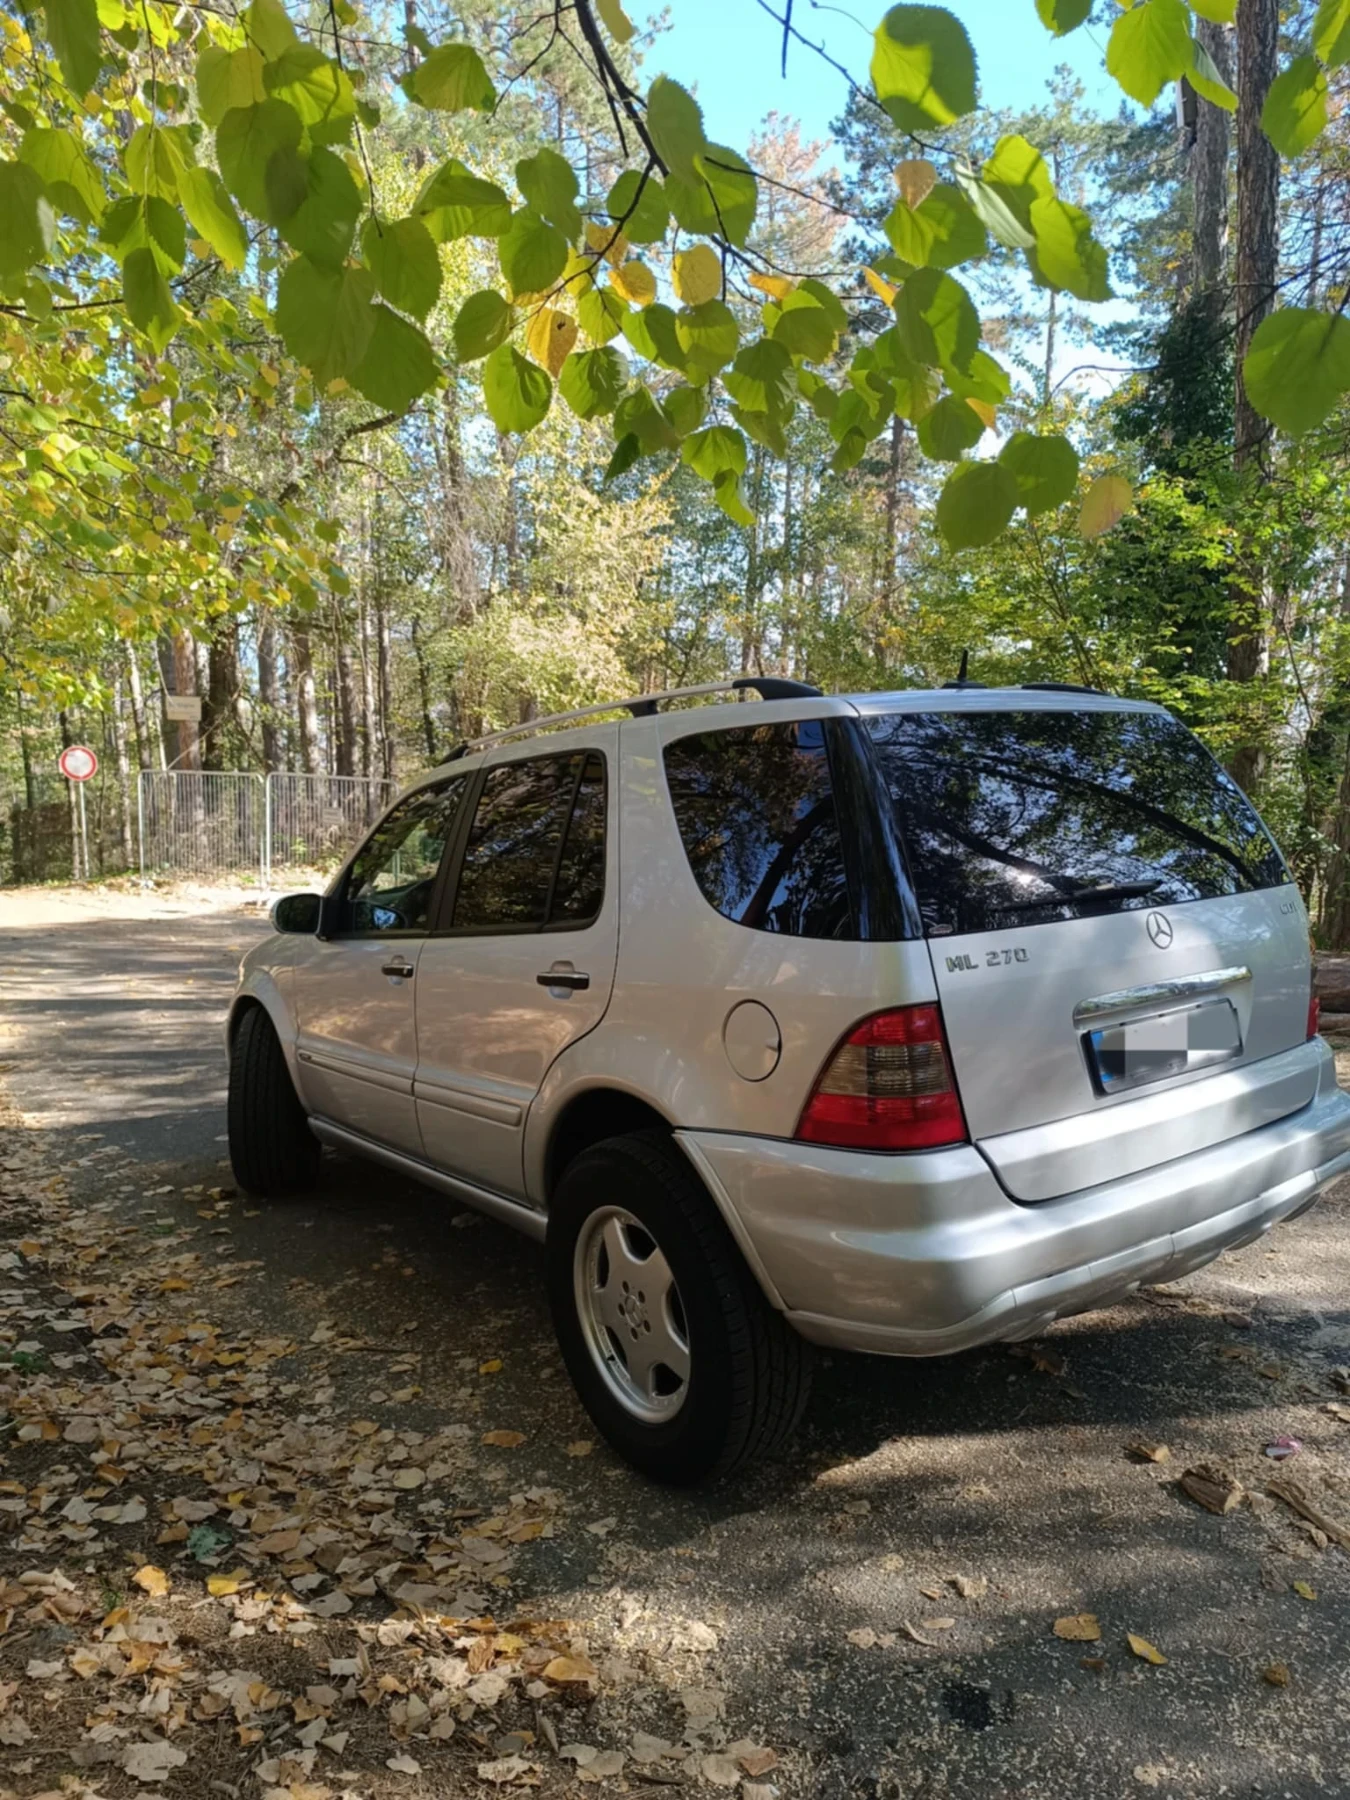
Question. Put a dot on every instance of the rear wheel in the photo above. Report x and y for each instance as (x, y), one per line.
(678, 1357)
(272, 1150)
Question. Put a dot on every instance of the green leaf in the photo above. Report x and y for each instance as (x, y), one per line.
(1067, 254)
(686, 408)
(402, 257)
(268, 28)
(952, 428)
(1295, 113)
(226, 79)
(212, 215)
(732, 190)
(533, 253)
(319, 91)
(976, 505)
(708, 336)
(1150, 45)
(1331, 32)
(1205, 78)
(324, 223)
(923, 67)
(73, 183)
(1063, 16)
(325, 317)
(1298, 367)
(936, 321)
(1218, 12)
(72, 28)
(166, 234)
(714, 452)
(762, 378)
(1013, 179)
(549, 184)
(27, 219)
(518, 392)
(676, 126)
(154, 161)
(258, 149)
(455, 203)
(999, 219)
(592, 382)
(985, 380)
(149, 303)
(647, 212)
(654, 333)
(451, 79)
(481, 324)
(1044, 468)
(601, 314)
(911, 236)
(638, 415)
(809, 322)
(727, 493)
(764, 428)
(399, 364)
(956, 234)
(617, 23)
(626, 453)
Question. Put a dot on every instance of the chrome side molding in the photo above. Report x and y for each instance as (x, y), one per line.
(514, 1213)
(1158, 993)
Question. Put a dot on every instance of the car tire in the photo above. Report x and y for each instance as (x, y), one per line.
(633, 1204)
(273, 1152)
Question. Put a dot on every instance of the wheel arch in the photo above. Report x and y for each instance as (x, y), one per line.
(263, 995)
(589, 1117)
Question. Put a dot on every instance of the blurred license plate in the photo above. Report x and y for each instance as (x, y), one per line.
(1171, 1043)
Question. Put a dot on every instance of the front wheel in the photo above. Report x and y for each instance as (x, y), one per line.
(273, 1152)
(678, 1357)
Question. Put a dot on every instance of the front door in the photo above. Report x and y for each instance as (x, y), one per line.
(353, 991)
(525, 963)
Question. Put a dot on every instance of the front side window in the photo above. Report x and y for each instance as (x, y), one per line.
(390, 882)
(756, 814)
(535, 857)
(1025, 818)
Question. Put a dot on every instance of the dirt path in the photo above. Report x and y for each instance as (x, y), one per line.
(346, 1417)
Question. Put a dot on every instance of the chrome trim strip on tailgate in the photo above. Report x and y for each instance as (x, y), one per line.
(1155, 993)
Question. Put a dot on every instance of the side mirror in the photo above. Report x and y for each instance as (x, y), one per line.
(298, 913)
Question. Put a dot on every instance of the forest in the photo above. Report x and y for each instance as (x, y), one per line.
(684, 413)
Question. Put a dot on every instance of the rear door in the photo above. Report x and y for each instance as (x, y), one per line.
(1110, 924)
(524, 962)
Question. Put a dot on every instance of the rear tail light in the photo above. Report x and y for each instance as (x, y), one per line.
(887, 1087)
(1314, 1016)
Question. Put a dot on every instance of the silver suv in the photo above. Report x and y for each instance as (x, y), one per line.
(893, 1022)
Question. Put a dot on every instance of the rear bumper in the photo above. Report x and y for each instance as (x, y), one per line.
(924, 1254)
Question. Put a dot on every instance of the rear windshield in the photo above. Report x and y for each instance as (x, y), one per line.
(1025, 818)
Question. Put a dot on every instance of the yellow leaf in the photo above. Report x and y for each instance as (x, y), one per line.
(571, 1668)
(1078, 1628)
(1277, 1674)
(504, 1440)
(881, 287)
(152, 1580)
(987, 414)
(607, 241)
(1143, 1649)
(916, 180)
(494, 1367)
(221, 1585)
(698, 275)
(29, 1247)
(550, 338)
(617, 23)
(777, 287)
(1108, 500)
(1305, 1590)
(581, 1447)
(634, 282)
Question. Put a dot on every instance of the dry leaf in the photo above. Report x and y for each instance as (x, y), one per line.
(403, 1765)
(1277, 1674)
(565, 1669)
(1149, 1653)
(864, 1638)
(937, 1624)
(152, 1580)
(916, 178)
(1154, 1453)
(492, 1367)
(1305, 1590)
(581, 1447)
(758, 1762)
(971, 1587)
(504, 1440)
(1108, 500)
(222, 1585)
(1079, 1628)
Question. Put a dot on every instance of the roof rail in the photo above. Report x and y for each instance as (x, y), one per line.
(646, 706)
(1060, 687)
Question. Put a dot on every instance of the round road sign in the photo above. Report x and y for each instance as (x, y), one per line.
(77, 762)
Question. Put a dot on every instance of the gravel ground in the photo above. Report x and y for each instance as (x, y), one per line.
(878, 1608)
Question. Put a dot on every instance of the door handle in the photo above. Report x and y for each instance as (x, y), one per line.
(404, 970)
(573, 980)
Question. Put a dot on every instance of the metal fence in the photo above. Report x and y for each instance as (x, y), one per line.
(311, 821)
(200, 823)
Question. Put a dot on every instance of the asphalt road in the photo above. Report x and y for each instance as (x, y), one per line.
(1007, 1470)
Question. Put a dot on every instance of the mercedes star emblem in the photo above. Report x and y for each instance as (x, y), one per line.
(1160, 929)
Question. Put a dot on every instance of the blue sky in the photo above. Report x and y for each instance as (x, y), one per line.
(728, 50)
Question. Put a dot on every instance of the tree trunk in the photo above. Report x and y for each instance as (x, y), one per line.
(178, 666)
(369, 730)
(1209, 153)
(139, 725)
(387, 757)
(222, 693)
(1258, 25)
(269, 692)
(119, 738)
(424, 691)
(306, 700)
(345, 684)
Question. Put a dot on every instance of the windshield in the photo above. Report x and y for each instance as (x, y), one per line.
(1030, 817)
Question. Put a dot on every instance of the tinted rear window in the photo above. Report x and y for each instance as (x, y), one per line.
(1024, 818)
(757, 816)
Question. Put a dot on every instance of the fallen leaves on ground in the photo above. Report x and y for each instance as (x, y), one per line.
(1276, 1673)
(1078, 1628)
(1148, 1453)
(1145, 1651)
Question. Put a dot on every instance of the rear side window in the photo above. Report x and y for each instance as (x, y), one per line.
(756, 813)
(1025, 818)
(535, 857)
